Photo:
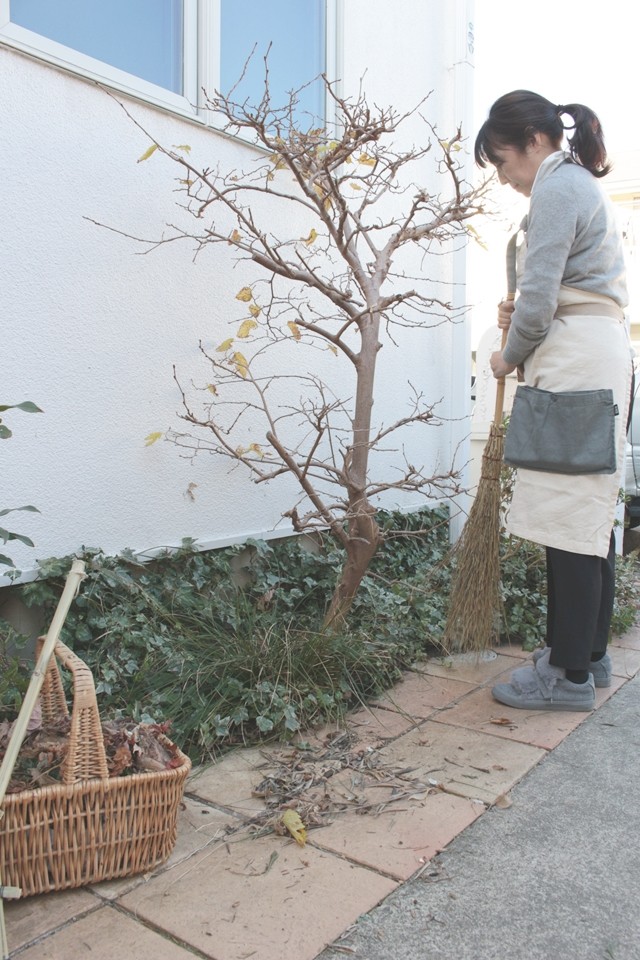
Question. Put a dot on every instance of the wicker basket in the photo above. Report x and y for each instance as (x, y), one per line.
(90, 827)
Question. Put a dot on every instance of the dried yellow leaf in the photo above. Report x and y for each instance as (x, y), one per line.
(257, 449)
(474, 233)
(242, 365)
(278, 161)
(295, 329)
(151, 438)
(245, 328)
(313, 235)
(355, 186)
(225, 345)
(291, 820)
(148, 153)
(245, 295)
(211, 387)
(255, 310)
(334, 350)
(367, 160)
(182, 146)
(235, 237)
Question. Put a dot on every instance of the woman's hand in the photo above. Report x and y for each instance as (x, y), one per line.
(499, 368)
(505, 309)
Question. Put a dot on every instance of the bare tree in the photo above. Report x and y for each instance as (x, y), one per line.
(338, 288)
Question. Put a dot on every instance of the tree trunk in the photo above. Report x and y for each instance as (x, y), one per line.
(364, 532)
(364, 540)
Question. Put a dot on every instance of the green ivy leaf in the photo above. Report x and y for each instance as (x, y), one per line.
(6, 535)
(3, 513)
(26, 405)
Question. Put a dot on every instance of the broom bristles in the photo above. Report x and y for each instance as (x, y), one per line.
(472, 620)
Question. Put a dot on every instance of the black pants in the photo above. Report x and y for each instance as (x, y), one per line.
(579, 605)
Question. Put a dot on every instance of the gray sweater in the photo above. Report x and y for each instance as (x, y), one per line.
(572, 239)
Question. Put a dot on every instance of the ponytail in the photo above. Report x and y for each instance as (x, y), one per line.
(586, 146)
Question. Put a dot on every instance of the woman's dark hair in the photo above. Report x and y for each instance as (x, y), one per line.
(516, 117)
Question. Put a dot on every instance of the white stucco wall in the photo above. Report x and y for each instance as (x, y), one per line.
(91, 328)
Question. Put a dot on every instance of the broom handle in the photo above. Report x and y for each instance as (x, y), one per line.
(74, 578)
(512, 282)
(497, 417)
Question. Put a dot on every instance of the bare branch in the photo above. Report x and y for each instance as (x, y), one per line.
(340, 288)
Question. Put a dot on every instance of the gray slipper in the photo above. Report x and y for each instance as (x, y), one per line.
(601, 669)
(542, 686)
(564, 696)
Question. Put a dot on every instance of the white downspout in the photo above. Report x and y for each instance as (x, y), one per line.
(460, 383)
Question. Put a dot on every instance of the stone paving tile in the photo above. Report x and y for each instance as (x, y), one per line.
(467, 667)
(265, 898)
(372, 725)
(369, 725)
(32, 917)
(464, 761)
(419, 694)
(479, 711)
(198, 826)
(630, 640)
(230, 781)
(104, 935)
(626, 661)
(404, 835)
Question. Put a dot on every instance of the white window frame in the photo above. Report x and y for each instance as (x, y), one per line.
(201, 43)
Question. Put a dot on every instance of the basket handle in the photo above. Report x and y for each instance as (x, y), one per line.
(86, 758)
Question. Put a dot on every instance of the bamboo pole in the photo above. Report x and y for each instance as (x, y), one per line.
(72, 585)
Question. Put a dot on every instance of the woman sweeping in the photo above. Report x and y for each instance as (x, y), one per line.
(567, 330)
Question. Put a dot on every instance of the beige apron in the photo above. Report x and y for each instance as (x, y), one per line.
(585, 352)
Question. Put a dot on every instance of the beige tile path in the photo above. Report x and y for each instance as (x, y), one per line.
(381, 796)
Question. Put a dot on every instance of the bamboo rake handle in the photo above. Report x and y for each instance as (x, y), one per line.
(74, 578)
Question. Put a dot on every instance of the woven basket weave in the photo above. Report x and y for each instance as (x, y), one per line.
(90, 827)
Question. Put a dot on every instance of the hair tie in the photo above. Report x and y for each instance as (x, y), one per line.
(560, 109)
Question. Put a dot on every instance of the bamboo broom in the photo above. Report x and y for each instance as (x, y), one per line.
(74, 578)
(474, 604)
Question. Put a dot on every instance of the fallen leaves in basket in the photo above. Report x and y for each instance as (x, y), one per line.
(130, 747)
(143, 746)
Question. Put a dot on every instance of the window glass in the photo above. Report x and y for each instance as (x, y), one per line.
(296, 31)
(142, 37)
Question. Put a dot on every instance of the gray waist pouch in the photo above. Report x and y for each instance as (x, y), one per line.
(568, 432)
